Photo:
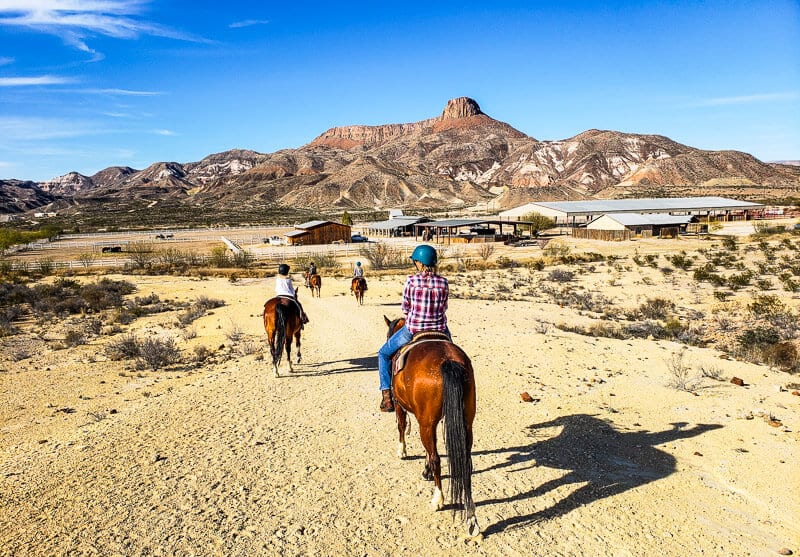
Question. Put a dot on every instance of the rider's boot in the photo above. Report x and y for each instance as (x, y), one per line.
(386, 403)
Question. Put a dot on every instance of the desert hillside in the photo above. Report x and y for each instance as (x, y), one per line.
(460, 158)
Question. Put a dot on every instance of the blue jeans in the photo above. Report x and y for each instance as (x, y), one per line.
(396, 342)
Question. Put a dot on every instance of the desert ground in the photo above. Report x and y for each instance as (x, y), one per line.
(219, 457)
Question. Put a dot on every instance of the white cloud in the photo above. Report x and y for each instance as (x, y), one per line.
(124, 92)
(248, 23)
(74, 20)
(165, 132)
(39, 80)
(749, 99)
(6, 60)
(22, 129)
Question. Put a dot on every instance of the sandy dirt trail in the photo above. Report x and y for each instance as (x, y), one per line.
(227, 460)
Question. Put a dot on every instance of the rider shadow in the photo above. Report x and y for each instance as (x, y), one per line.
(592, 452)
(350, 365)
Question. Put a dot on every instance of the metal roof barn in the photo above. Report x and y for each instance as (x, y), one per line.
(579, 212)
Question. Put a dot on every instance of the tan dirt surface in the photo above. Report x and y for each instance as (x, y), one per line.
(98, 458)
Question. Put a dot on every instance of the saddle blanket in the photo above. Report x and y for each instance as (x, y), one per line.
(419, 338)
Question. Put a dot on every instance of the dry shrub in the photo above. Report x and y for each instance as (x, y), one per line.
(155, 353)
(75, 337)
(123, 348)
(383, 256)
(782, 355)
(656, 308)
(681, 376)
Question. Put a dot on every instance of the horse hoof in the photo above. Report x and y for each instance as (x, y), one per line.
(401, 451)
(438, 500)
(473, 530)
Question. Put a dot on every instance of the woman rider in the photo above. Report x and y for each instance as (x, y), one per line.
(424, 305)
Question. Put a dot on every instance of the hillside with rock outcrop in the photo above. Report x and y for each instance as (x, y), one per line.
(460, 158)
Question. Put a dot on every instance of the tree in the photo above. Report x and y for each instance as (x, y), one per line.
(538, 222)
(347, 219)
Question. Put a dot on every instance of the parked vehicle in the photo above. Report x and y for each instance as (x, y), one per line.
(358, 238)
(276, 241)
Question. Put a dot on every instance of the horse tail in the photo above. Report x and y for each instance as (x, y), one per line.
(454, 375)
(280, 333)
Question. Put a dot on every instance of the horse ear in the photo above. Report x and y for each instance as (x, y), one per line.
(388, 321)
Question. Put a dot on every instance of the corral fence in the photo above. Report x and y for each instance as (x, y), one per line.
(607, 235)
(275, 254)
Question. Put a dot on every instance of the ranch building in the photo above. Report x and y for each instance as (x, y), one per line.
(624, 226)
(468, 231)
(318, 232)
(580, 213)
(396, 226)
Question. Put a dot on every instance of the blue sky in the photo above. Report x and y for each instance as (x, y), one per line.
(88, 84)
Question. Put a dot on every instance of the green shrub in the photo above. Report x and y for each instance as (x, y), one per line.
(681, 260)
(219, 257)
(740, 280)
(758, 337)
(765, 305)
(729, 243)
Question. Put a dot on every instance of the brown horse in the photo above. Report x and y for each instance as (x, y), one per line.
(314, 282)
(282, 322)
(358, 286)
(437, 381)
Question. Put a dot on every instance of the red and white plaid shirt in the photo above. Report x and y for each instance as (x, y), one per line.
(425, 302)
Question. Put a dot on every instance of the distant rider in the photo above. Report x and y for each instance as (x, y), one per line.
(312, 270)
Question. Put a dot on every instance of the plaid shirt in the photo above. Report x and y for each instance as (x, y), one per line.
(425, 302)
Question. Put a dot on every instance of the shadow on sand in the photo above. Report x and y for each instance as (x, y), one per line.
(592, 452)
(339, 366)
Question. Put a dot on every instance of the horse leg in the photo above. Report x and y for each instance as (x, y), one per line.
(289, 352)
(402, 416)
(271, 342)
(433, 463)
(297, 342)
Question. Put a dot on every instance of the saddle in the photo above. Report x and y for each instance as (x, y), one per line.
(423, 336)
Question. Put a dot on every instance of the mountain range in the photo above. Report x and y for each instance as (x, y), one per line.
(460, 159)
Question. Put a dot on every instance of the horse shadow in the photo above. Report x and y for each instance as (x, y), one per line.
(608, 461)
(350, 365)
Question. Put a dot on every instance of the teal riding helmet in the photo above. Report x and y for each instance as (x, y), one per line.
(425, 254)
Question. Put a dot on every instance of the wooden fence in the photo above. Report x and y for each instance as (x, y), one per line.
(607, 235)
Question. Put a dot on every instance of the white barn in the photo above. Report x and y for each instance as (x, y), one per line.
(578, 213)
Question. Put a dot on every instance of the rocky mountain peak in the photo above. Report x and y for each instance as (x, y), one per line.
(462, 107)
